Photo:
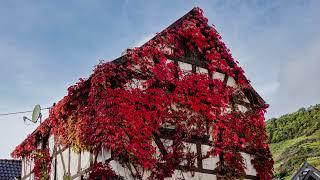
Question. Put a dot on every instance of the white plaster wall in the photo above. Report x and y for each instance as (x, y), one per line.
(124, 172)
(103, 155)
(169, 51)
(63, 157)
(167, 144)
(217, 75)
(157, 149)
(120, 170)
(185, 67)
(211, 162)
(210, 133)
(30, 165)
(245, 99)
(23, 167)
(85, 160)
(241, 108)
(227, 110)
(249, 167)
(169, 61)
(168, 126)
(187, 175)
(74, 161)
(192, 148)
(26, 167)
(51, 144)
(166, 50)
(52, 169)
(201, 70)
(31, 177)
(231, 82)
(135, 83)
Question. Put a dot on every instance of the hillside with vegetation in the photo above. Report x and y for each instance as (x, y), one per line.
(295, 138)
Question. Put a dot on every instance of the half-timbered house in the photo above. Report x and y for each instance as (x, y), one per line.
(68, 161)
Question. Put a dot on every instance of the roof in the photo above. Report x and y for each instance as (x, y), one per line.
(9, 169)
(306, 171)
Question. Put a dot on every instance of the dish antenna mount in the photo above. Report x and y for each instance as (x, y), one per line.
(36, 114)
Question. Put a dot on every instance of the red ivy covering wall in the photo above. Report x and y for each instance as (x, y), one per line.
(42, 164)
(101, 171)
(121, 107)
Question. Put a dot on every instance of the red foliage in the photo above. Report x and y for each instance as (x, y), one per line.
(42, 164)
(122, 107)
(101, 171)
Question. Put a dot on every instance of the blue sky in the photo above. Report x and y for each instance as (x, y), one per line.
(46, 46)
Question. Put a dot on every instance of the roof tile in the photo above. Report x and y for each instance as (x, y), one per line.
(9, 169)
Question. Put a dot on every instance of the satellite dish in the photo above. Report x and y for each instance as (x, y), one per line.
(36, 113)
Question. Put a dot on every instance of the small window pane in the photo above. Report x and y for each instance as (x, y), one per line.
(169, 61)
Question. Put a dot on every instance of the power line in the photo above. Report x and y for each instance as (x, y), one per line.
(19, 112)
